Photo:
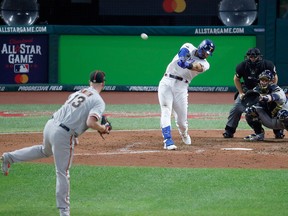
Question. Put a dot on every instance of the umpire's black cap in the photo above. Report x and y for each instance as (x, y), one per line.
(253, 52)
(97, 76)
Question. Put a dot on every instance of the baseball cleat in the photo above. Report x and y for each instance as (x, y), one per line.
(227, 135)
(169, 144)
(279, 134)
(5, 166)
(64, 212)
(255, 137)
(186, 139)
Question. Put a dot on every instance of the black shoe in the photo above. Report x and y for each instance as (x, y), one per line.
(279, 134)
(228, 135)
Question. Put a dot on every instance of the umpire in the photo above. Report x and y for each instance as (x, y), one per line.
(248, 70)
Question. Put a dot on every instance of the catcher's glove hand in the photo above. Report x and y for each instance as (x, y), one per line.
(250, 98)
(107, 124)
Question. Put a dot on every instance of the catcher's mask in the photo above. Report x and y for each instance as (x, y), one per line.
(265, 78)
(253, 56)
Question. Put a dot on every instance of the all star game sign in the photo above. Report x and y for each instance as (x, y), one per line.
(23, 59)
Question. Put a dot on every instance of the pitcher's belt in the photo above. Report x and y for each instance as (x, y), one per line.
(176, 77)
(66, 128)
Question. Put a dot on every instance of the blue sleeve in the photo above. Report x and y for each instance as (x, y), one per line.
(184, 53)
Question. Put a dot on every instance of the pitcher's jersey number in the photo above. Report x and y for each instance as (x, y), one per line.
(78, 99)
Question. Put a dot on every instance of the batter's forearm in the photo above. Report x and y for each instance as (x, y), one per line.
(197, 67)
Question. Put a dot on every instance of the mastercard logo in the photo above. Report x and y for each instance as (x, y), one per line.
(21, 78)
(171, 6)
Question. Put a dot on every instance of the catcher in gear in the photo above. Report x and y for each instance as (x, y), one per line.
(271, 110)
(246, 78)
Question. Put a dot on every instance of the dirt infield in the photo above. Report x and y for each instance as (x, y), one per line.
(144, 148)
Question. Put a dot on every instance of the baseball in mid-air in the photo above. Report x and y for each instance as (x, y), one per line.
(144, 36)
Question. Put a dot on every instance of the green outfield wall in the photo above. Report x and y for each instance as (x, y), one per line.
(131, 63)
(130, 60)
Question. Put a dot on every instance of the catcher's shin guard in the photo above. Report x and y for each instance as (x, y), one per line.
(255, 123)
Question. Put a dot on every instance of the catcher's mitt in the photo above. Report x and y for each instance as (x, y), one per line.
(250, 98)
(107, 124)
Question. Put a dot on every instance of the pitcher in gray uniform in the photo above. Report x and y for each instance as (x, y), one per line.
(81, 111)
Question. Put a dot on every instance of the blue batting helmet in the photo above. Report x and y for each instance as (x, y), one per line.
(206, 46)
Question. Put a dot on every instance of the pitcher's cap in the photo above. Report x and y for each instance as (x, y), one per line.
(97, 76)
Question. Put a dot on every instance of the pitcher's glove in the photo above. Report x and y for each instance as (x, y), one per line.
(250, 98)
(107, 124)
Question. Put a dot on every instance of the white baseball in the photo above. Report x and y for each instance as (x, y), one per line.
(144, 36)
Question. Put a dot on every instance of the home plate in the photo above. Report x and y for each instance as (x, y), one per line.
(237, 149)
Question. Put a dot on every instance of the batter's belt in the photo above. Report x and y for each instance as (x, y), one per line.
(176, 77)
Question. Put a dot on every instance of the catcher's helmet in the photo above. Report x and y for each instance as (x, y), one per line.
(206, 46)
(265, 78)
(266, 75)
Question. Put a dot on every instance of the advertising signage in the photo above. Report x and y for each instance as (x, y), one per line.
(23, 59)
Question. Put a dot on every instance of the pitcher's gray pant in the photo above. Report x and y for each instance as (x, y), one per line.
(57, 142)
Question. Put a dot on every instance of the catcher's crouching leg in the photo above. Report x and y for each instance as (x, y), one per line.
(253, 120)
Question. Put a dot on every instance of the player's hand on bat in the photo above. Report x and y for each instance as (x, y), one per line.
(181, 62)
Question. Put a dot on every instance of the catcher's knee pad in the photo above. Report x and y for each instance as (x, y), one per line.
(251, 112)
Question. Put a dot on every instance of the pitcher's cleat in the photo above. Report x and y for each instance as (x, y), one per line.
(5, 165)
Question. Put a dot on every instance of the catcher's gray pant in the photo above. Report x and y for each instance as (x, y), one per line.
(267, 121)
(235, 114)
(57, 142)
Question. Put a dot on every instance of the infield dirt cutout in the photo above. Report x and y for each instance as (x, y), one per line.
(145, 147)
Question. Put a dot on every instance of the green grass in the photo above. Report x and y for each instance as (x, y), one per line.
(140, 191)
(207, 117)
(30, 190)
